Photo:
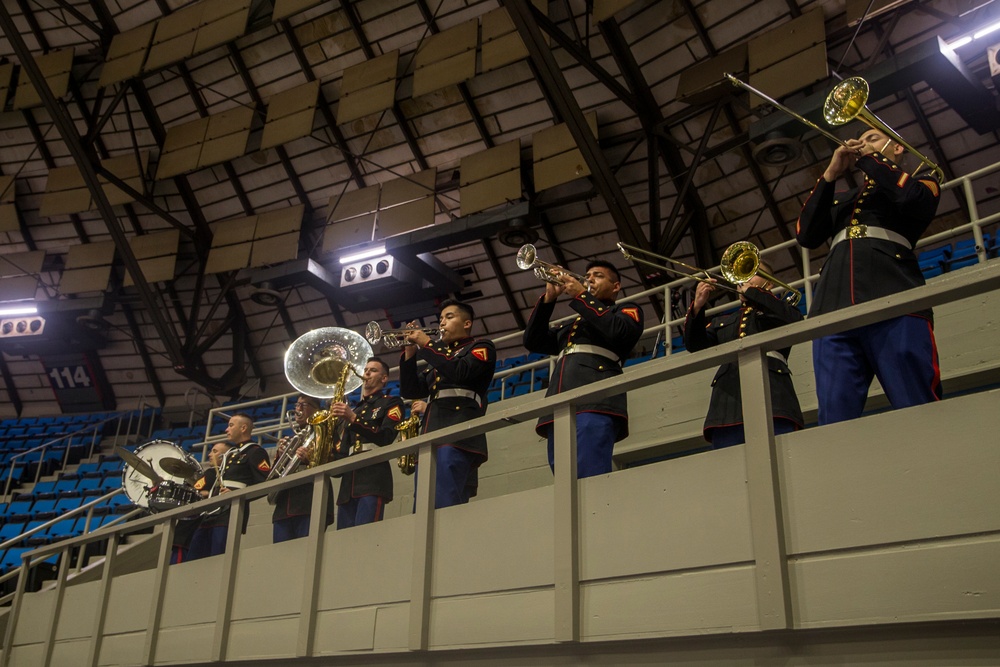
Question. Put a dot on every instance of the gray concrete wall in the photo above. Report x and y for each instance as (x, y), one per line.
(890, 519)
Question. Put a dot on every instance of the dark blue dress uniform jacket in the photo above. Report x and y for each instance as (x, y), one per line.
(859, 270)
(613, 326)
(376, 419)
(762, 312)
(244, 466)
(465, 364)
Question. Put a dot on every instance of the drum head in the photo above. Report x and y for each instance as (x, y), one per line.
(136, 485)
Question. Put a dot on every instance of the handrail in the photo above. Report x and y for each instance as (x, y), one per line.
(969, 283)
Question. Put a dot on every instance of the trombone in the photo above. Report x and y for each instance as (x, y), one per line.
(527, 258)
(392, 337)
(846, 102)
(740, 262)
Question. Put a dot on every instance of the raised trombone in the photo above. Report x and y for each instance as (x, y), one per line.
(375, 334)
(740, 262)
(846, 102)
(527, 258)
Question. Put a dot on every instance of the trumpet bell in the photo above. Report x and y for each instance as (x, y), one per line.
(740, 262)
(847, 99)
(373, 333)
(526, 256)
(315, 362)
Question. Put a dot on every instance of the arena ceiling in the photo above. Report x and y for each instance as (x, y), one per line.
(408, 95)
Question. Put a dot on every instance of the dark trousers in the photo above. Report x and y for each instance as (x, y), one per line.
(595, 443)
(291, 528)
(457, 477)
(727, 436)
(359, 511)
(901, 352)
(206, 542)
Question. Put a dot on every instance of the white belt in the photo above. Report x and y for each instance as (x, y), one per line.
(584, 348)
(234, 485)
(774, 354)
(864, 231)
(458, 393)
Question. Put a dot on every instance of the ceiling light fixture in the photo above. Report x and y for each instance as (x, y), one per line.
(18, 310)
(363, 254)
(967, 39)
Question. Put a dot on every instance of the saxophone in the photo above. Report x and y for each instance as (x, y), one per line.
(328, 430)
(408, 428)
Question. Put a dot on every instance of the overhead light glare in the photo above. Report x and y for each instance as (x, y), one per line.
(987, 30)
(958, 43)
(363, 254)
(18, 310)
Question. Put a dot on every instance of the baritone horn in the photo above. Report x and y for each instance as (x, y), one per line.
(326, 363)
(846, 102)
(527, 258)
(375, 334)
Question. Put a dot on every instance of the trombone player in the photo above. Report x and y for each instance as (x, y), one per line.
(592, 347)
(872, 231)
(759, 310)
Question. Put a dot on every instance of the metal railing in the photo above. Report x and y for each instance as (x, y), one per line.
(771, 568)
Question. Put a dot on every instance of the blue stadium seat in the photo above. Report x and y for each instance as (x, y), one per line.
(9, 530)
(12, 558)
(63, 505)
(934, 262)
(89, 486)
(38, 538)
(965, 253)
(89, 470)
(43, 508)
(112, 466)
(493, 396)
(65, 486)
(44, 490)
(63, 529)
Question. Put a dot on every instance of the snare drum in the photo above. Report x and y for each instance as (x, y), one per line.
(172, 492)
(169, 495)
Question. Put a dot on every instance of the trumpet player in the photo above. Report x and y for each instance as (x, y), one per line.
(592, 347)
(872, 231)
(290, 519)
(460, 370)
(371, 423)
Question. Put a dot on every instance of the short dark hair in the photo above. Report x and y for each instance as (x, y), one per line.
(385, 366)
(244, 415)
(463, 307)
(602, 264)
(308, 400)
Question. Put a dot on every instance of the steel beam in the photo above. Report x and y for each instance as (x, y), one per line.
(86, 161)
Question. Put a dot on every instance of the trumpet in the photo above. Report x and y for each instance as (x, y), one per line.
(527, 258)
(393, 337)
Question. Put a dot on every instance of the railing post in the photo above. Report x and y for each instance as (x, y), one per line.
(767, 527)
(103, 596)
(158, 593)
(312, 574)
(423, 548)
(60, 584)
(15, 610)
(220, 645)
(566, 529)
